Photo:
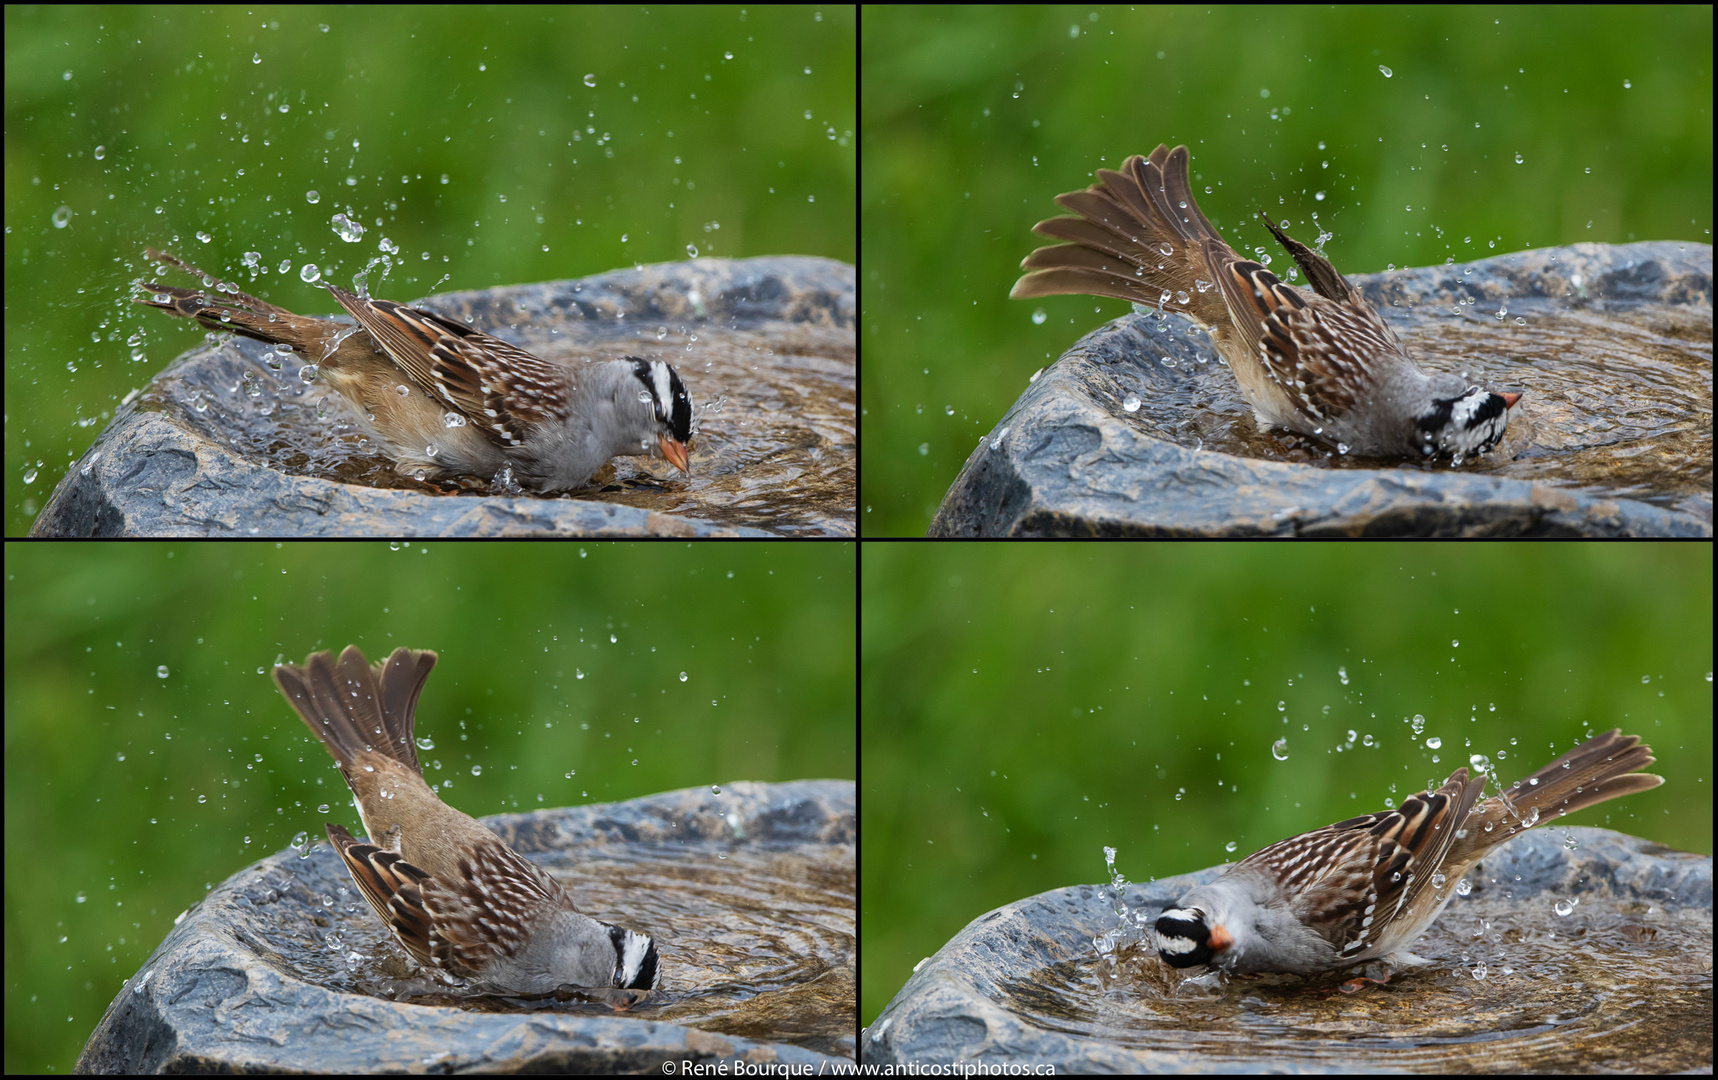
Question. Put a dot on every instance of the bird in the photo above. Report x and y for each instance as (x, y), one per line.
(453, 893)
(444, 399)
(1320, 363)
(1366, 888)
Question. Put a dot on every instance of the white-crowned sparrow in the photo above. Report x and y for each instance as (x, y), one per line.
(1321, 363)
(443, 399)
(453, 893)
(1365, 888)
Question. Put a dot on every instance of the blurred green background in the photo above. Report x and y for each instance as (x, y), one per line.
(1497, 130)
(489, 146)
(149, 756)
(1026, 705)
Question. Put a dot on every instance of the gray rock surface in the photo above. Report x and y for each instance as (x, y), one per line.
(282, 968)
(1139, 430)
(1621, 983)
(222, 444)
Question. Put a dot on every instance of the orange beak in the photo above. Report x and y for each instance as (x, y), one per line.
(675, 452)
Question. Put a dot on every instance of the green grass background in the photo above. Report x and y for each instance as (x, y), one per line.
(1498, 130)
(149, 756)
(465, 136)
(1026, 705)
